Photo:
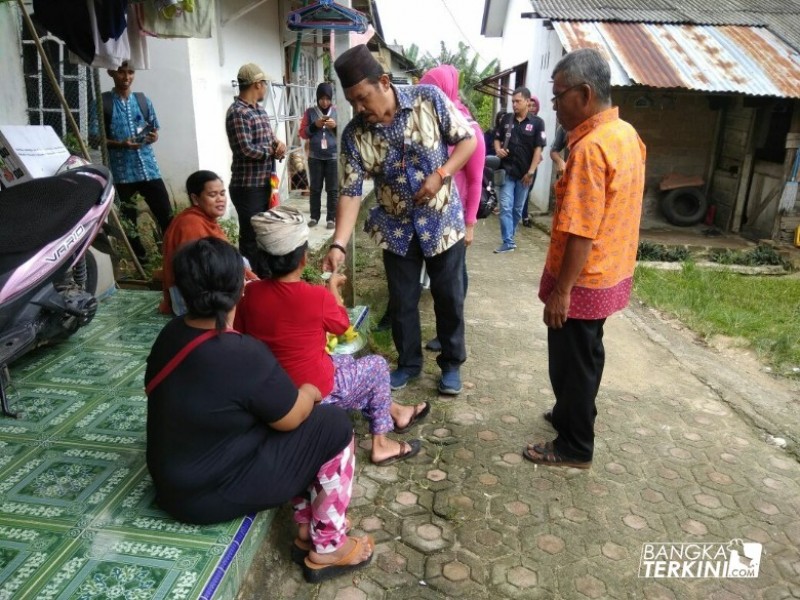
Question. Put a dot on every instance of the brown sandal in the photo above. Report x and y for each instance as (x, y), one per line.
(317, 573)
(541, 447)
(301, 548)
(552, 457)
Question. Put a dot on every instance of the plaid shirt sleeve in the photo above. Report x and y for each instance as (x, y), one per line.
(242, 135)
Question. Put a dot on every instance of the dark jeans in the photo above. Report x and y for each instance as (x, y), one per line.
(249, 201)
(576, 359)
(323, 171)
(447, 288)
(157, 199)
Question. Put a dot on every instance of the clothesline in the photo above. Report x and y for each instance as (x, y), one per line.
(106, 34)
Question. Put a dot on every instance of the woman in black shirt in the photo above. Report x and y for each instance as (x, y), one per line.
(228, 433)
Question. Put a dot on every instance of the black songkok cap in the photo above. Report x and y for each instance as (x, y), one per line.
(355, 65)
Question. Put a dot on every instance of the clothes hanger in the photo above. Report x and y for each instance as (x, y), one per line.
(326, 14)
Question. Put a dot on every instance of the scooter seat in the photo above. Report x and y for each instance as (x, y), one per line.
(40, 211)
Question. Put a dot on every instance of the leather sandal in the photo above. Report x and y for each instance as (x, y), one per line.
(301, 548)
(553, 458)
(541, 447)
(317, 573)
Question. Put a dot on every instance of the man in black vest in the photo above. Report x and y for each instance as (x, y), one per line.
(518, 142)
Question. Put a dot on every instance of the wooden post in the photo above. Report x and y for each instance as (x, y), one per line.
(746, 175)
(74, 126)
(345, 114)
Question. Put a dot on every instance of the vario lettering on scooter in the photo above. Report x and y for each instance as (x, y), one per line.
(67, 244)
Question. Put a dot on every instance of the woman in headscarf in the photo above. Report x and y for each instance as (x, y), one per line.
(229, 434)
(292, 318)
(469, 180)
(208, 203)
(319, 128)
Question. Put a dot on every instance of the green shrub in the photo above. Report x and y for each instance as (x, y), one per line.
(311, 275)
(231, 228)
(661, 253)
(760, 255)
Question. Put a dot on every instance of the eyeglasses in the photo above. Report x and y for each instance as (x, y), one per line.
(555, 98)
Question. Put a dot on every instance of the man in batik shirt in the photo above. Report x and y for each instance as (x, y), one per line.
(399, 137)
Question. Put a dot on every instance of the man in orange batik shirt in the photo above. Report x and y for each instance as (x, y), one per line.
(588, 274)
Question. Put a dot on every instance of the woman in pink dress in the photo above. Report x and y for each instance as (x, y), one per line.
(469, 180)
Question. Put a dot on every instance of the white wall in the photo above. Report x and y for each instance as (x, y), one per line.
(13, 103)
(255, 37)
(546, 53)
(518, 36)
(526, 40)
(189, 82)
(168, 84)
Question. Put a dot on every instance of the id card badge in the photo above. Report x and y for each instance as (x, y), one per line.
(324, 143)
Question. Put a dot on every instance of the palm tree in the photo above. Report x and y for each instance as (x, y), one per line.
(466, 61)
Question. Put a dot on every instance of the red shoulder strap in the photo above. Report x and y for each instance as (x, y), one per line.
(178, 359)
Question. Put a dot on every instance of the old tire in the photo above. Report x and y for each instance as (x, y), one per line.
(684, 206)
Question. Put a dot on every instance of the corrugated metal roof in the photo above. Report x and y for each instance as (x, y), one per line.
(746, 60)
(782, 17)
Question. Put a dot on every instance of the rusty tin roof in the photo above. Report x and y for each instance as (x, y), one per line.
(729, 58)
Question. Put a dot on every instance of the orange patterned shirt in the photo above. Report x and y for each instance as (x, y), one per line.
(599, 197)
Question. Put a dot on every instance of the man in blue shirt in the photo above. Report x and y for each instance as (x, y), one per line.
(399, 137)
(130, 132)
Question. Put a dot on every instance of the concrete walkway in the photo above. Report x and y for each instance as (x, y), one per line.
(681, 458)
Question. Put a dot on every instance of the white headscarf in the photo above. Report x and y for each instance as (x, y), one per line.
(280, 230)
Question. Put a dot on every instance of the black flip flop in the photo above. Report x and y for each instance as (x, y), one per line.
(415, 446)
(415, 418)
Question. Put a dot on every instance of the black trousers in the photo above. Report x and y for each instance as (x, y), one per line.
(446, 271)
(576, 359)
(249, 201)
(323, 171)
(157, 198)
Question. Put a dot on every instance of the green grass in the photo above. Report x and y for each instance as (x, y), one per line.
(765, 311)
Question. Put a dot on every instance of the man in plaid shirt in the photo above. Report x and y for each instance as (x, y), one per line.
(254, 148)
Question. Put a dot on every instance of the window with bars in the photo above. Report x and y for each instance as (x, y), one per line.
(74, 80)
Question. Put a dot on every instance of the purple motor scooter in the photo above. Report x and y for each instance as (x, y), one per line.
(46, 289)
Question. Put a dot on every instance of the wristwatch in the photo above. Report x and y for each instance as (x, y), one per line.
(444, 175)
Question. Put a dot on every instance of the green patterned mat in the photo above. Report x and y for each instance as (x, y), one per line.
(77, 518)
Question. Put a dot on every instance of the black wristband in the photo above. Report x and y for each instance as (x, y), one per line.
(339, 247)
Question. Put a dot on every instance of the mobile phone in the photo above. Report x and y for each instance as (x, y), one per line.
(140, 137)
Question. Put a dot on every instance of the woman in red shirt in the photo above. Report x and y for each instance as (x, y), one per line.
(292, 318)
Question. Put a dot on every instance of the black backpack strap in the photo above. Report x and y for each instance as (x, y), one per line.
(108, 108)
(142, 100)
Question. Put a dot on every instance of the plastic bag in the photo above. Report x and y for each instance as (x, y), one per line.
(275, 184)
